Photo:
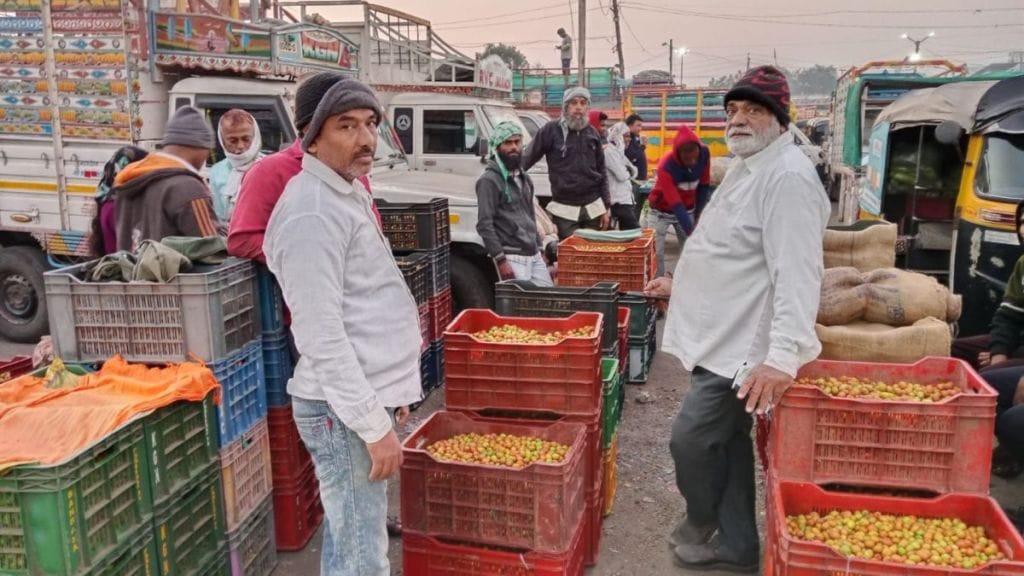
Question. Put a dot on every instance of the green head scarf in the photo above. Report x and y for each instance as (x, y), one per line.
(502, 132)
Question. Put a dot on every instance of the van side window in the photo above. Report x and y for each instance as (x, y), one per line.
(450, 132)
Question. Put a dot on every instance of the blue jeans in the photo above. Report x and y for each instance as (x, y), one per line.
(661, 221)
(355, 509)
(531, 268)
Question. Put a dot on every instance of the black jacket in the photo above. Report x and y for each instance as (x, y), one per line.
(506, 224)
(637, 154)
(576, 172)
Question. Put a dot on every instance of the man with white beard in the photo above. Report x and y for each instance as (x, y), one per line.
(745, 297)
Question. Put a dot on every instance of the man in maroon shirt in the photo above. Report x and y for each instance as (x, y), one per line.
(265, 181)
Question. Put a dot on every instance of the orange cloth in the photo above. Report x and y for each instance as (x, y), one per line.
(39, 425)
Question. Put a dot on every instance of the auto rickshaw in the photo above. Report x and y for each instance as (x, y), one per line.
(946, 164)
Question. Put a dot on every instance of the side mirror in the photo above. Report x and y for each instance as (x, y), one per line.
(483, 150)
(949, 132)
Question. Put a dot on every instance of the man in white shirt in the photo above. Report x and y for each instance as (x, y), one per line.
(355, 324)
(745, 298)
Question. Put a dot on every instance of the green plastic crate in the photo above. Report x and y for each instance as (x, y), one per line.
(641, 354)
(641, 314)
(612, 406)
(136, 558)
(60, 520)
(190, 530)
(218, 566)
(181, 443)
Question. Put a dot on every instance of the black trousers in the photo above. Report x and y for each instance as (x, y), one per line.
(626, 215)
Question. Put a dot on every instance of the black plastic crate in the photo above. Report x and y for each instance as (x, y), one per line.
(440, 273)
(416, 226)
(416, 269)
(642, 314)
(522, 298)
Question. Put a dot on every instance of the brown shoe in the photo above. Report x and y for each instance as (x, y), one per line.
(688, 533)
(708, 558)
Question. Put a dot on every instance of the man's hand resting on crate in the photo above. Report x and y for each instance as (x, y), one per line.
(763, 388)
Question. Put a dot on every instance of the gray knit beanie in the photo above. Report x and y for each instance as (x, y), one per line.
(309, 94)
(346, 95)
(188, 128)
(574, 92)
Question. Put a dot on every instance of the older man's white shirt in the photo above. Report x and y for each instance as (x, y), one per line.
(747, 286)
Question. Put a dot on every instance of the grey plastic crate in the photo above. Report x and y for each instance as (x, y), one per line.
(208, 313)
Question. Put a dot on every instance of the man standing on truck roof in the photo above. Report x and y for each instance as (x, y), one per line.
(356, 327)
(506, 219)
(240, 139)
(565, 51)
(164, 194)
(264, 183)
(575, 157)
(684, 176)
(744, 302)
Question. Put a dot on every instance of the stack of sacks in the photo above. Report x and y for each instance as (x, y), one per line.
(886, 315)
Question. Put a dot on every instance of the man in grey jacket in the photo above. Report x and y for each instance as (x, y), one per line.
(505, 218)
(355, 324)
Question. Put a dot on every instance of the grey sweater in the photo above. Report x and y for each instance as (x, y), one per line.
(507, 225)
(355, 322)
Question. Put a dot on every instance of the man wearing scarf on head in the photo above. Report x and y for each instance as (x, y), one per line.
(579, 184)
(239, 137)
(356, 327)
(505, 219)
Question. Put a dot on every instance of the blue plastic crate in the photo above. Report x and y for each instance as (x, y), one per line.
(271, 301)
(433, 359)
(277, 367)
(243, 391)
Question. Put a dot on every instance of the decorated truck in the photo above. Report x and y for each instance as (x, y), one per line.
(81, 78)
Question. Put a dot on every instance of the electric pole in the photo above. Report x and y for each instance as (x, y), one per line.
(581, 43)
(671, 51)
(748, 60)
(618, 37)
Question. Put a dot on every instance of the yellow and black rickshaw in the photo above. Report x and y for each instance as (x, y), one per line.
(946, 164)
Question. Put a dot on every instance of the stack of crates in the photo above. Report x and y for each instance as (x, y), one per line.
(582, 263)
(420, 238)
(881, 453)
(536, 386)
(213, 314)
(642, 338)
(296, 510)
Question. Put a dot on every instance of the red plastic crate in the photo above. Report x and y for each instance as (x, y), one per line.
(288, 455)
(10, 369)
(594, 522)
(623, 327)
(790, 557)
(537, 507)
(246, 475)
(297, 511)
(426, 556)
(585, 262)
(440, 314)
(942, 447)
(564, 378)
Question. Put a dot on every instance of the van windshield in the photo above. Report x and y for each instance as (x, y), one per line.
(389, 151)
(1001, 170)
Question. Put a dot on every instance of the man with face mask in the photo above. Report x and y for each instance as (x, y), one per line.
(355, 324)
(505, 218)
(240, 139)
(575, 157)
(744, 302)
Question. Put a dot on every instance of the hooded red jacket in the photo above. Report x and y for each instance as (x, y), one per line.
(676, 183)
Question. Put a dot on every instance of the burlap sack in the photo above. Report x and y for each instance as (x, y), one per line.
(900, 298)
(867, 342)
(843, 296)
(868, 249)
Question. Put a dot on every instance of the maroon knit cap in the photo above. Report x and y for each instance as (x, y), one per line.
(765, 85)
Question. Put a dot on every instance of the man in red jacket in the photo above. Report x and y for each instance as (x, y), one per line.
(682, 188)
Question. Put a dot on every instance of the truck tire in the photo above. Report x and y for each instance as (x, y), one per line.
(470, 286)
(23, 315)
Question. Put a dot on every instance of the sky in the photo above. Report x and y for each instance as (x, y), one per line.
(719, 35)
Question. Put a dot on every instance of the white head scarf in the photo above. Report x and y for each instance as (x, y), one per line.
(617, 135)
(240, 163)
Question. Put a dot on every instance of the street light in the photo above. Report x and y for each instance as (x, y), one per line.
(682, 52)
(916, 56)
